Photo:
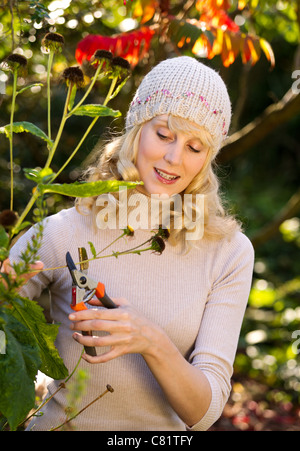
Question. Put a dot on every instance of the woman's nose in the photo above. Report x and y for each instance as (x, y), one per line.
(174, 154)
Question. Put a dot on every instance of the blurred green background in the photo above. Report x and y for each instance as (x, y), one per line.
(260, 179)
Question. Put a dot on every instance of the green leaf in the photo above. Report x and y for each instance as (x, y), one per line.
(38, 175)
(72, 97)
(4, 240)
(18, 368)
(31, 315)
(119, 87)
(86, 189)
(95, 111)
(22, 227)
(29, 87)
(93, 250)
(20, 127)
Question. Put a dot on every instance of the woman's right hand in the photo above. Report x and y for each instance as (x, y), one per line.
(35, 269)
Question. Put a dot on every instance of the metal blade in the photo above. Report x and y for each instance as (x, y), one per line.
(82, 258)
(71, 266)
(70, 262)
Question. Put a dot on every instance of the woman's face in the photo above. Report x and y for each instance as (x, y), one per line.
(168, 161)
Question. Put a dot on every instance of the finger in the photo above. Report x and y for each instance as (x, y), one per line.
(106, 314)
(99, 325)
(7, 268)
(118, 301)
(116, 344)
(35, 268)
(95, 302)
(102, 358)
(96, 341)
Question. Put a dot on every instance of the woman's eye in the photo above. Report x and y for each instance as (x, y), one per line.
(194, 150)
(161, 136)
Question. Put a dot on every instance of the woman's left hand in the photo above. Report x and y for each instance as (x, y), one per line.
(128, 331)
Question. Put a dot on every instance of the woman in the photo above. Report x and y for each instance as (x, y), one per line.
(169, 347)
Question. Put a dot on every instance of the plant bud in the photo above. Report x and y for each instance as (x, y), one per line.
(129, 231)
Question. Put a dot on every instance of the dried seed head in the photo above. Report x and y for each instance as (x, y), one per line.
(15, 62)
(157, 244)
(74, 75)
(163, 232)
(8, 218)
(120, 67)
(103, 57)
(109, 388)
(106, 54)
(53, 42)
(121, 62)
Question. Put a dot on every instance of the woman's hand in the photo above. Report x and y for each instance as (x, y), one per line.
(6, 268)
(128, 331)
(184, 385)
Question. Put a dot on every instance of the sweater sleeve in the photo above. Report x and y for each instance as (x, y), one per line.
(217, 341)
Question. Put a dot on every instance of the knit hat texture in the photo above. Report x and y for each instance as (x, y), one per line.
(184, 87)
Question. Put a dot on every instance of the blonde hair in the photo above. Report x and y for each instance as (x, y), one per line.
(116, 160)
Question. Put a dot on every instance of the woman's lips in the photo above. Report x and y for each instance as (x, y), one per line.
(166, 177)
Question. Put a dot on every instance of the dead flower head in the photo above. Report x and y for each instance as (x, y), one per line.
(15, 62)
(8, 218)
(53, 42)
(157, 244)
(102, 56)
(74, 75)
(120, 67)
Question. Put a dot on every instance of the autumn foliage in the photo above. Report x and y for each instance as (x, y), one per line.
(212, 33)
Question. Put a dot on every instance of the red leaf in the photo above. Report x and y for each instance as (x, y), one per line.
(132, 45)
(213, 14)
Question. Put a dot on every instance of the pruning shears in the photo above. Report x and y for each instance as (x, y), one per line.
(84, 288)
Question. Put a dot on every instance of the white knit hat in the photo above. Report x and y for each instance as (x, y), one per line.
(183, 87)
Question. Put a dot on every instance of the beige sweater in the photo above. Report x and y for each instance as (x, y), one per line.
(199, 299)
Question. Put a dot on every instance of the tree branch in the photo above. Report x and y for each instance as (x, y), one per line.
(290, 209)
(259, 128)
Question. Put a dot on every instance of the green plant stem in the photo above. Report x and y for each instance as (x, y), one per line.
(50, 62)
(62, 385)
(55, 144)
(76, 150)
(133, 250)
(107, 99)
(113, 242)
(94, 79)
(60, 130)
(36, 193)
(11, 156)
(112, 87)
(25, 212)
